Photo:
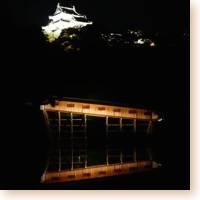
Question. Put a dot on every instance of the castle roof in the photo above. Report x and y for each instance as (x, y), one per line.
(67, 10)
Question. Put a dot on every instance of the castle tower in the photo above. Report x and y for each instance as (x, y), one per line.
(64, 18)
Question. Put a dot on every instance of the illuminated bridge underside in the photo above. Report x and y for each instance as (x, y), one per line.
(98, 171)
(101, 110)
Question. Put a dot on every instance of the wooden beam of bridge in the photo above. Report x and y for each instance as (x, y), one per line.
(100, 110)
(98, 171)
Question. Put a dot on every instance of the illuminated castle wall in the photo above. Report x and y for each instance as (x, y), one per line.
(64, 18)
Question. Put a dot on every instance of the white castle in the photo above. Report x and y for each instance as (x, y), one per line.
(64, 18)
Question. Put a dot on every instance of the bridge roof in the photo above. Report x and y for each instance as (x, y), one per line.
(102, 102)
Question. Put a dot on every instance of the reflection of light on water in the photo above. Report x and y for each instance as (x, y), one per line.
(160, 120)
(73, 152)
(77, 157)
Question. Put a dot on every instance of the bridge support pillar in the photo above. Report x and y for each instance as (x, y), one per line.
(59, 138)
(149, 128)
(107, 125)
(59, 159)
(46, 118)
(72, 145)
(85, 131)
(107, 159)
(85, 124)
(134, 155)
(149, 152)
(120, 124)
(59, 125)
(134, 125)
(121, 157)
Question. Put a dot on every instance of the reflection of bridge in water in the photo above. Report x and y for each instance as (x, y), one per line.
(88, 140)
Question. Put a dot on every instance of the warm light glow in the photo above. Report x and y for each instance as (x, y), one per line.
(93, 110)
(98, 171)
(61, 20)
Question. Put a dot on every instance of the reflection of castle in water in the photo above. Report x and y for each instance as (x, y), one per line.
(88, 146)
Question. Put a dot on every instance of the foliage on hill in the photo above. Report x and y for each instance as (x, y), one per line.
(89, 38)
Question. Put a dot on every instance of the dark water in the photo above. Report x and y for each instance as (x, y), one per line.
(97, 147)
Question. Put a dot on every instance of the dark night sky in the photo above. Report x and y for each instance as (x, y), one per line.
(156, 15)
